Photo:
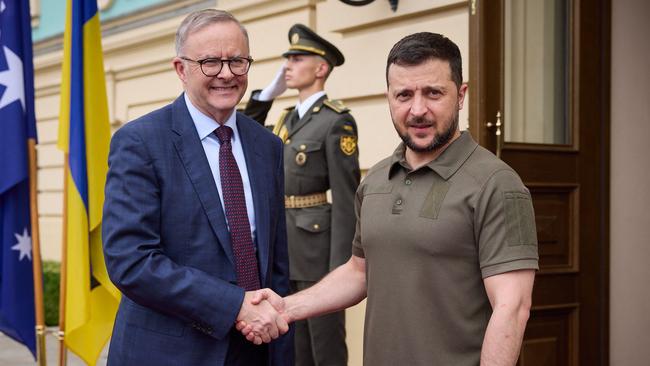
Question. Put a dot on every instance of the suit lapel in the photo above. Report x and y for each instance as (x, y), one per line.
(255, 162)
(307, 117)
(189, 148)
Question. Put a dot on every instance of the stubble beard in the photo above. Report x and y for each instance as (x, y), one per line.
(439, 140)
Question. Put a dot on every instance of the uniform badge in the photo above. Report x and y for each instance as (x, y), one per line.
(301, 158)
(348, 144)
(295, 38)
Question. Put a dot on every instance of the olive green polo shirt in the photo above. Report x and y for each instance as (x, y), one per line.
(430, 236)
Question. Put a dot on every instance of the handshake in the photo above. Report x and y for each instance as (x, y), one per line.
(263, 317)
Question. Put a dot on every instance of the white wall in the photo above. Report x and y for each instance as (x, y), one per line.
(630, 182)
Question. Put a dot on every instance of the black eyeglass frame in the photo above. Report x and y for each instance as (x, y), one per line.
(224, 60)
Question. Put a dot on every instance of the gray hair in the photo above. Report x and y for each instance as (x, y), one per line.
(202, 18)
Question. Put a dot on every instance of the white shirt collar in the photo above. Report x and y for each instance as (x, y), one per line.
(205, 125)
(304, 106)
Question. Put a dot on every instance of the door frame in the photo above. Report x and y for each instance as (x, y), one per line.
(589, 107)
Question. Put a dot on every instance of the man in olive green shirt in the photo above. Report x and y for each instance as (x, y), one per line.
(445, 247)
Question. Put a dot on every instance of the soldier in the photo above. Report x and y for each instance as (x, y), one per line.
(320, 153)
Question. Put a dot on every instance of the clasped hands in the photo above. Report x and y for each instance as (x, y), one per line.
(262, 318)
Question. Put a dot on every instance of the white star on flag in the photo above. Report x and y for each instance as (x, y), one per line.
(24, 245)
(12, 78)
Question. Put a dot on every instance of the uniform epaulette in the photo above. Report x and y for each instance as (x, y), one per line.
(336, 105)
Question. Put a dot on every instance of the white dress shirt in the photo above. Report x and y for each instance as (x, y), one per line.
(303, 107)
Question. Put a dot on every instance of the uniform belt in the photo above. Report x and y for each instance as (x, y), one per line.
(309, 200)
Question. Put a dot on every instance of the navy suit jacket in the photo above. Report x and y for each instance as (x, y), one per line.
(167, 246)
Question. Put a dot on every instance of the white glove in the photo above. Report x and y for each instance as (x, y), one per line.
(275, 88)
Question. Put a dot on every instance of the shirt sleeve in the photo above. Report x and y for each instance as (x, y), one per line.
(505, 225)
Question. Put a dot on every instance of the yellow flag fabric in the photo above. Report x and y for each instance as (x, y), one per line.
(91, 299)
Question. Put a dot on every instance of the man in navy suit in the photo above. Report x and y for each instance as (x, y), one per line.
(171, 242)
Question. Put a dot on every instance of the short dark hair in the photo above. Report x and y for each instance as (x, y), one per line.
(418, 48)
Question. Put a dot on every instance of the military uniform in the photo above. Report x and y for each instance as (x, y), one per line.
(320, 154)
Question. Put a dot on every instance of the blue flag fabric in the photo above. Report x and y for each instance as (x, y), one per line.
(17, 126)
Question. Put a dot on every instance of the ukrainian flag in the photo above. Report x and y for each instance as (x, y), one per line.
(91, 299)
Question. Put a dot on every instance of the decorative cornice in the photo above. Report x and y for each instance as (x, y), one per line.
(137, 19)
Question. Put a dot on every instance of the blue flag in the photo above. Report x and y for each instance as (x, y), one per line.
(17, 126)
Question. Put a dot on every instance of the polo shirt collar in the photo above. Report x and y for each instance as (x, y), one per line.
(444, 165)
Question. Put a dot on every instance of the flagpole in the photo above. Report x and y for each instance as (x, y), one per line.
(37, 264)
(64, 272)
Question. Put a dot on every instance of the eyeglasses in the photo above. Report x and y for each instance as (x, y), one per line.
(212, 66)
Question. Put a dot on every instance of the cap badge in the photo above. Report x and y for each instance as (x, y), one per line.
(295, 38)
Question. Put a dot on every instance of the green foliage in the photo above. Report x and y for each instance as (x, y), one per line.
(51, 277)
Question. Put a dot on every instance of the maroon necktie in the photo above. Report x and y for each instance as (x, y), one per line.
(235, 206)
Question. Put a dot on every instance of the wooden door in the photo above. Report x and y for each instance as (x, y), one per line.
(542, 103)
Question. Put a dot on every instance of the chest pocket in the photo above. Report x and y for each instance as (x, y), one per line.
(378, 189)
(306, 157)
(434, 199)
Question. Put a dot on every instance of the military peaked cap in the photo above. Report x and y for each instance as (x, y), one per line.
(304, 41)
